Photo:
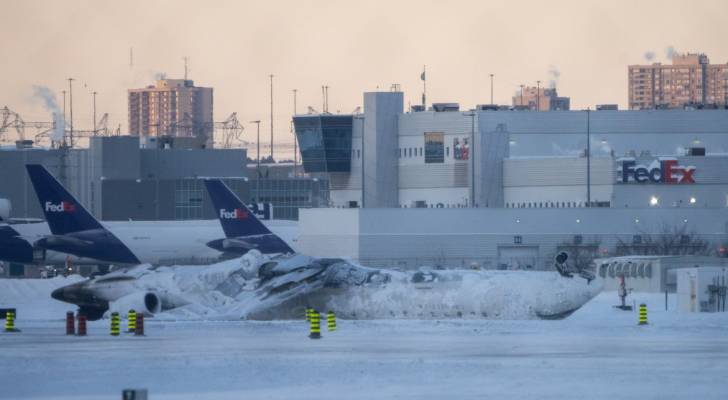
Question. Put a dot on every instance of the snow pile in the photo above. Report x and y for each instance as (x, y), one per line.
(32, 297)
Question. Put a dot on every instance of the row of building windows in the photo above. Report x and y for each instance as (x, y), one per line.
(556, 204)
(628, 269)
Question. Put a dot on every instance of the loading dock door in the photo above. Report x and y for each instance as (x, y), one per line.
(517, 257)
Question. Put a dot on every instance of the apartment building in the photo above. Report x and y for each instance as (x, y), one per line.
(690, 81)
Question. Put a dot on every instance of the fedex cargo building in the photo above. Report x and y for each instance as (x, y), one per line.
(627, 166)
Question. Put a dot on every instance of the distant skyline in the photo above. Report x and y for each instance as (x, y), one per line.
(351, 47)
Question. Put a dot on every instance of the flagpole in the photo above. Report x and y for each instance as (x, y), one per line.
(424, 86)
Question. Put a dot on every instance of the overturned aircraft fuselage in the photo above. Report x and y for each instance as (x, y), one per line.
(261, 288)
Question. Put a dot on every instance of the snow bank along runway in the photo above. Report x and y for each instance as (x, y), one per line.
(598, 352)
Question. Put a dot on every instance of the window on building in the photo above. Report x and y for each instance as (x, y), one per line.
(434, 145)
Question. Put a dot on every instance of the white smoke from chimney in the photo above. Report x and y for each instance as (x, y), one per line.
(670, 52)
(554, 75)
(48, 98)
(649, 56)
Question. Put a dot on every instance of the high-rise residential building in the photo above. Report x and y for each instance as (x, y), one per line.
(172, 107)
(540, 99)
(689, 81)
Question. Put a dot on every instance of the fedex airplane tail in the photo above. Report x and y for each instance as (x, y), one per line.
(242, 228)
(63, 213)
(74, 230)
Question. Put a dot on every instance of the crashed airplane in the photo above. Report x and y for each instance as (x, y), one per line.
(258, 287)
(280, 284)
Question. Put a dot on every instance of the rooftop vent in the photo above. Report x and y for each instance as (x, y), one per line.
(487, 107)
(445, 107)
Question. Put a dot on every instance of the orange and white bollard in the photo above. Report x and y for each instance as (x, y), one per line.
(81, 325)
(70, 323)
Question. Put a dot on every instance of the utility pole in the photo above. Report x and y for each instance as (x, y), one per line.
(538, 95)
(70, 103)
(588, 158)
(94, 94)
(63, 138)
(471, 154)
(491, 89)
(257, 168)
(295, 140)
(361, 118)
(271, 117)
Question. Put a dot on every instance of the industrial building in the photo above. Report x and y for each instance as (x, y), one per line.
(517, 159)
(690, 81)
(577, 177)
(537, 98)
(653, 274)
(172, 107)
(128, 177)
(493, 238)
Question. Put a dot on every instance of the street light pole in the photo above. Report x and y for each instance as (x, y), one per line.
(95, 131)
(295, 139)
(70, 103)
(588, 158)
(471, 154)
(257, 168)
(361, 118)
(271, 117)
(521, 95)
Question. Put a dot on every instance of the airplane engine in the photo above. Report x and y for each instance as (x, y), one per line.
(147, 302)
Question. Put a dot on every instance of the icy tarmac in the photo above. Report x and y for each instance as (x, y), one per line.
(597, 353)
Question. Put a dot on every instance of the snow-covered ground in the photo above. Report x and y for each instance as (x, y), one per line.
(598, 352)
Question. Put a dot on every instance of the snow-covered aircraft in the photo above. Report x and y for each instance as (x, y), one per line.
(260, 287)
(256, 286)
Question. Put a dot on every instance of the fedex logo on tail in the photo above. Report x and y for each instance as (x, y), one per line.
(237, 213)
(63, 206)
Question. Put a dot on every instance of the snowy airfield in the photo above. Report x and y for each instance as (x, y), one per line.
(598, 352)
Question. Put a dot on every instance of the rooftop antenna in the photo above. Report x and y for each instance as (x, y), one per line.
(186, 69)
(131, 57)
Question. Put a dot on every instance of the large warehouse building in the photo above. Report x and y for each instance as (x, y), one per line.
(128, 177)
(630, 174)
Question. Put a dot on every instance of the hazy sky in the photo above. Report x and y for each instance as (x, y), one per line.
(350, 46)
